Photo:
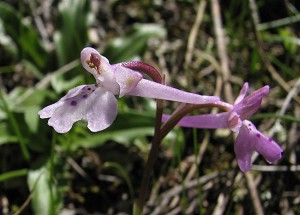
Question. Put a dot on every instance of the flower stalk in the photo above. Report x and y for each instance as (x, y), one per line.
(156, 141)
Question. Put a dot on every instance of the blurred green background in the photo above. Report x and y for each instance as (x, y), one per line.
(80, 172)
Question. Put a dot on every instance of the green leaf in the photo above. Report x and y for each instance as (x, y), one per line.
(32, 69)
(3, 114)
(134, 43)
(24, 35)
(14, 96)
(72, 33)
(127, 127)
(60, 85)
(32, 118)
(15, 125)
(46, 199)
(6, 41)
(289, 40)
(20, 98)
(5, 134)
(122, 136)
(38, 183)
(13, 174)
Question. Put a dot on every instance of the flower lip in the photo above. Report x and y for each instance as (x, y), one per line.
(249, 140)
(82, 102)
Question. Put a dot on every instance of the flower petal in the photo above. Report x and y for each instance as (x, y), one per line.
(249, 105)
(242, 94)
(218, 120)
(150, 89)
(264, 145)
(102, 110)
(126, 78)
(243, 149)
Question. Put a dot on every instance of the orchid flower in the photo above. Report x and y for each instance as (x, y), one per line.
(97, 104)
(249, 139)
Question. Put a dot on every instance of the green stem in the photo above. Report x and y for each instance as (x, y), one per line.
(13, 174)
(16, 128)
(51, 175)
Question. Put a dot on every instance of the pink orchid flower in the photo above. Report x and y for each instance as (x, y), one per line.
(249, 139)
(97, 104)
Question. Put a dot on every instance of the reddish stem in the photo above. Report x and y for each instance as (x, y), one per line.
(152, 156)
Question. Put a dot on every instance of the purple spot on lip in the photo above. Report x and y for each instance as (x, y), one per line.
(73, 103)
(84, 96)
(89, 88)
(258, 135)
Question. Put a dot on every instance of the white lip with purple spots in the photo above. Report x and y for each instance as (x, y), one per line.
(90, 102)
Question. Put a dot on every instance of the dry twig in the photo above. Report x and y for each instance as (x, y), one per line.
(274, 73)
(193, 34)
(221, 46)
(254, 194)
